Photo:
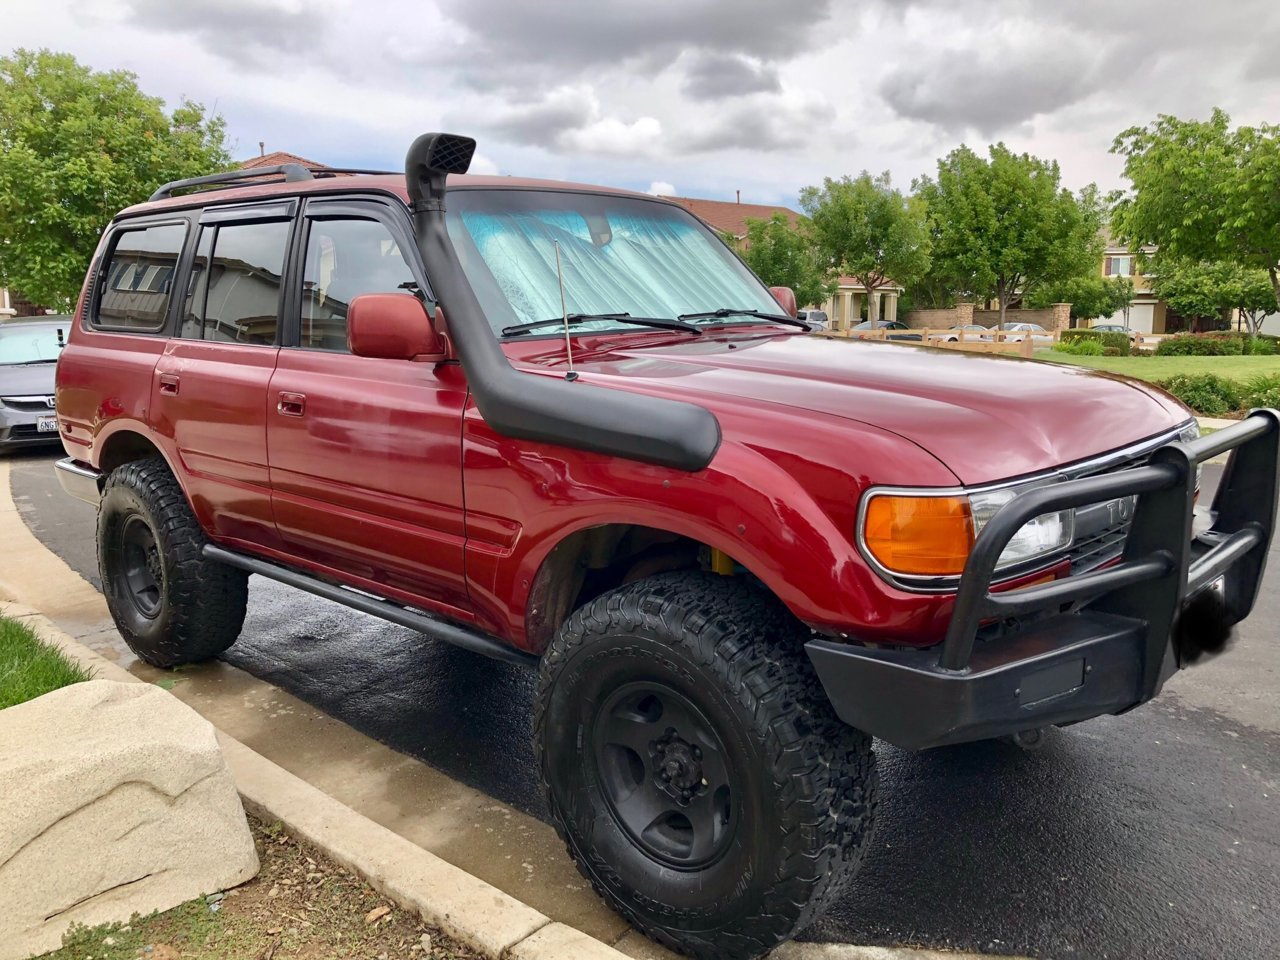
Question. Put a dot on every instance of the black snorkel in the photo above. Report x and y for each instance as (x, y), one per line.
(525, 406)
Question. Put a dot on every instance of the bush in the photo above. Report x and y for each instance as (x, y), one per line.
(1260, 346)
(1112, 352)
(1108, 338)
(1080, 348)
(1202, 345)
(1069, 336)
(1206, 393)
(1263, 392)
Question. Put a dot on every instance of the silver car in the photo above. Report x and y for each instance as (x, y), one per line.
(28, 356)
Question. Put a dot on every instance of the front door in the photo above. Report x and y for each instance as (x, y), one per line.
(209, 388)
(365, 454)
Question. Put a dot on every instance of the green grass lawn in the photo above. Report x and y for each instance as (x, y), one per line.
(30, 667)
(1158, 368)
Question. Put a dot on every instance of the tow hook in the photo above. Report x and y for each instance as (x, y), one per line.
(1032, 739)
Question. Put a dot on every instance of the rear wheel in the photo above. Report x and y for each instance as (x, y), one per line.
(170, 604)
(694, 767)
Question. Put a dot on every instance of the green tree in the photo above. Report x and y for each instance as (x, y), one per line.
(1203, 192)
(784, 255)
(1214, 289)
(1004, 226)
(1090, 295)
(76, 146)
(865, 227)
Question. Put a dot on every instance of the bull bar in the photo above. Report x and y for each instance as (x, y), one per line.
(1085, 645)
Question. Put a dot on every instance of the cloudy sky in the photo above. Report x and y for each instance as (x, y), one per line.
(699, 97)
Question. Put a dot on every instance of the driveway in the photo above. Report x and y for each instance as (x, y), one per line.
(1151, 835)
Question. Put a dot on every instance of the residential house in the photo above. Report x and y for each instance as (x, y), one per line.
(1147, 312)
(729, 217)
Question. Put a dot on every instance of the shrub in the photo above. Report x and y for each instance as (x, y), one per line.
(1139, 352)
(1080, 348)
(1108, 338)
(1069, 336)
(1206, 393)
(1263, 392)
(1202, 345)
(1112, 352)
(1260, 346)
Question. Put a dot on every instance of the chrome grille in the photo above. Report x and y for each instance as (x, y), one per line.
(29, 404)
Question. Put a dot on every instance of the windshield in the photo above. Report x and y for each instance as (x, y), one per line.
(22, 343)
(618, 255)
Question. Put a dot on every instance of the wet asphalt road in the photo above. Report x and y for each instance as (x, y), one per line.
(1152, 835)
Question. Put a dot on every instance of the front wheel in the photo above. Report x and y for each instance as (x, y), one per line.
(694, 766)
(171, 605)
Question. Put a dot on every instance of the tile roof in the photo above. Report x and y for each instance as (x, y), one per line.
(275, 158)
(730, 217)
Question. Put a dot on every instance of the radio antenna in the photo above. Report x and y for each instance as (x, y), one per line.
(564, 312)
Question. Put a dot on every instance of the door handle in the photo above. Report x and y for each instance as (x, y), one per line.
(292, 404)
(169, 384)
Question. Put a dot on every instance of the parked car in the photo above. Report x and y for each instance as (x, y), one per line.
(972, 331)
(28, 354)
(889, 325)
(1039, 335)
(818, 319)
(733, 551)
(1134, 335)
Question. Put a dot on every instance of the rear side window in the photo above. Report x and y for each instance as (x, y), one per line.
(233, 294)
(138, 278)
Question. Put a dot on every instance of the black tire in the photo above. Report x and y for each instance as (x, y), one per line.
(755, 858)
(170, 604)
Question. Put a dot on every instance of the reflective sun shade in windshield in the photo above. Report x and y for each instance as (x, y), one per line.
(618, 255)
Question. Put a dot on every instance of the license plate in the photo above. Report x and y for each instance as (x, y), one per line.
(46, 425)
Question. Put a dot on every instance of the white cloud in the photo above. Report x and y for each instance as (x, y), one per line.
(716, 95)
(660, 188)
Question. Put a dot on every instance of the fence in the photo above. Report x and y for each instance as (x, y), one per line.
(1013, 342)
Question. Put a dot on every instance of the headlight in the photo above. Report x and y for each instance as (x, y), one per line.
(926, 535)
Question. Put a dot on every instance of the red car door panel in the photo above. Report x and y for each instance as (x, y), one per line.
(365, 453)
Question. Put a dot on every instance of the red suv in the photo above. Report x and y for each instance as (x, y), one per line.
(566, 426)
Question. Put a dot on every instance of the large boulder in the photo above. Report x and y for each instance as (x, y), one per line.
(114, 800)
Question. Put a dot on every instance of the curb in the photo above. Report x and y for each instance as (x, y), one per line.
(466, 908)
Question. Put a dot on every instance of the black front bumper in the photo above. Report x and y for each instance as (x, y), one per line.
(1096, 643)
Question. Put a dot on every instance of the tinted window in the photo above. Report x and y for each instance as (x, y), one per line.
(346, 258)
(139, 276)
(233, 294)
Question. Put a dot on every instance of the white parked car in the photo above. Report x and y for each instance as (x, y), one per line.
(1020, 331)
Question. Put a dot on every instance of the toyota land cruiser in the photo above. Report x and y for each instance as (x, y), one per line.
(565, 426)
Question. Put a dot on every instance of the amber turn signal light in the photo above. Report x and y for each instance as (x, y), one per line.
(920, 536)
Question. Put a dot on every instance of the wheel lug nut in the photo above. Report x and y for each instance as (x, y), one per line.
(666, 777)
(697, 753)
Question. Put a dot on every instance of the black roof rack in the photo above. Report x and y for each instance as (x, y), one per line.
(289, 172)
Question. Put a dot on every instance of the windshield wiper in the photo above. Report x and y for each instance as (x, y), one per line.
(731, 312)
(576, 318)
(31, 363)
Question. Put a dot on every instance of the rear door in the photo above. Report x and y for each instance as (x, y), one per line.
(209, 392)
(365, 453)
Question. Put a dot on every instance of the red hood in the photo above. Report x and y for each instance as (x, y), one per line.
(987, 418)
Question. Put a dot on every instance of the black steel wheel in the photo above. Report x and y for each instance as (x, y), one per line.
(170, 604)
(665, 774)
(694, 766)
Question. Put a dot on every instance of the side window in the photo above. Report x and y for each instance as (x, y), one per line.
(344, 259)
(138, 277)
(233, 294)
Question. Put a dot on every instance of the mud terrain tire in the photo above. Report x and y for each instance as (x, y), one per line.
(170, 604)
(686, 702)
